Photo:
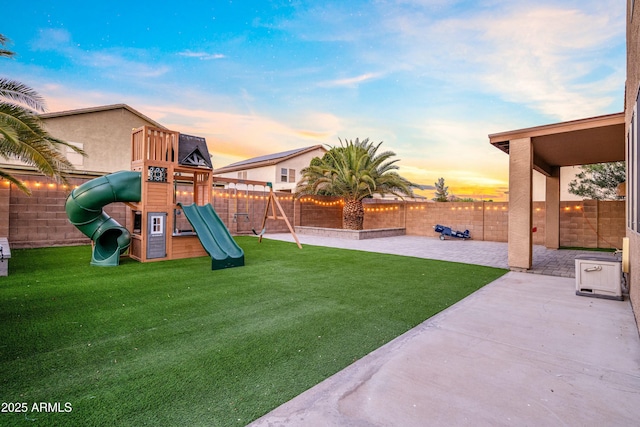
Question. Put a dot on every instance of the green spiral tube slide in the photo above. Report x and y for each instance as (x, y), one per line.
(84, 210)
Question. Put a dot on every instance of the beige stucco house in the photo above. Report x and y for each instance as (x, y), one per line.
(547, 148)
(281, 169)
(103, 132)
(631, 109)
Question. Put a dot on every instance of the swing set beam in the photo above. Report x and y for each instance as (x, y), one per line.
(239, 181)
(272, 202)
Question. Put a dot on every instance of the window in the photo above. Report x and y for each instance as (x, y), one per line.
(634, 191)
(287, 175)
(74, 158)
(242, 175)
(137, 222)
(633, 184)
(157, 225)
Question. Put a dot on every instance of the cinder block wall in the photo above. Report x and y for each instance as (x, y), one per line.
(611, 224)
(384, 215)
(589, 223)
(243, 211)
(5, 203)
(323, 212)
(40, 220)
(539, 221)
(577, 224)
(485, 221)
(592, 224)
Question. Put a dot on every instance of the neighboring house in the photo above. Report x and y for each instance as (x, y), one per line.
(281, 169)
(104, 133)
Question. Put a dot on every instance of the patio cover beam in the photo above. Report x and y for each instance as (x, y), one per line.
(545, 149)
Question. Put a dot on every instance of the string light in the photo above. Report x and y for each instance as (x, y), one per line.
(320, 203)
(382, 209)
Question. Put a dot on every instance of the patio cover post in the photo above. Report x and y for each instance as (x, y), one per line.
(552, 209)
(520, 203)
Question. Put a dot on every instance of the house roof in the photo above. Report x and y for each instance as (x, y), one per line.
(100, 109)
(193, 151)
(578, 142)
(268, 159)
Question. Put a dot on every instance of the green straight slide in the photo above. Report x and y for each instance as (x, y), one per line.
(84, 210)
(214, 236)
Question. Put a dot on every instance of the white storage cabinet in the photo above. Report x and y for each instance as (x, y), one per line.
(599, 276)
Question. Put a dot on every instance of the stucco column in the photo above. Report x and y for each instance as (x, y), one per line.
(552, 210)
(520, 203)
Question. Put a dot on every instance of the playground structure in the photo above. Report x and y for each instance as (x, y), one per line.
(272, 210)
(168, 191)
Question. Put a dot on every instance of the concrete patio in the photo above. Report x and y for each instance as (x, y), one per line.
(523, 350)
(492, 254)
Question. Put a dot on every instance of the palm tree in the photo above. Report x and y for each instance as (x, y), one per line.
(442, 191)
(354, 171)
(22, 133)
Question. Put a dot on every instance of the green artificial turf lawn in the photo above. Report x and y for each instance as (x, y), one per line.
(175, 343)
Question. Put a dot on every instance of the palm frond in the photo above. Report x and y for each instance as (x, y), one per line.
(21, 94)
(4, 52)
(15, 181)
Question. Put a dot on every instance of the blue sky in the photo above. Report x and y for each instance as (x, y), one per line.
(430, 78)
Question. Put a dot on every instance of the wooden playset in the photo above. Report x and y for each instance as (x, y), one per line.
(169, 193)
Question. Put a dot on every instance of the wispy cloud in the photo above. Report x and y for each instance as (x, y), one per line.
(234, 136)
(115, 62)
(203, 56)
(545, 57)
(350, 81)
(562, 61)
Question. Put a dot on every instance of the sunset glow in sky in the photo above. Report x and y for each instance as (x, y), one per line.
(430, 78)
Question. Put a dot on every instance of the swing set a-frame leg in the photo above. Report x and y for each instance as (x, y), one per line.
(273, 202)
